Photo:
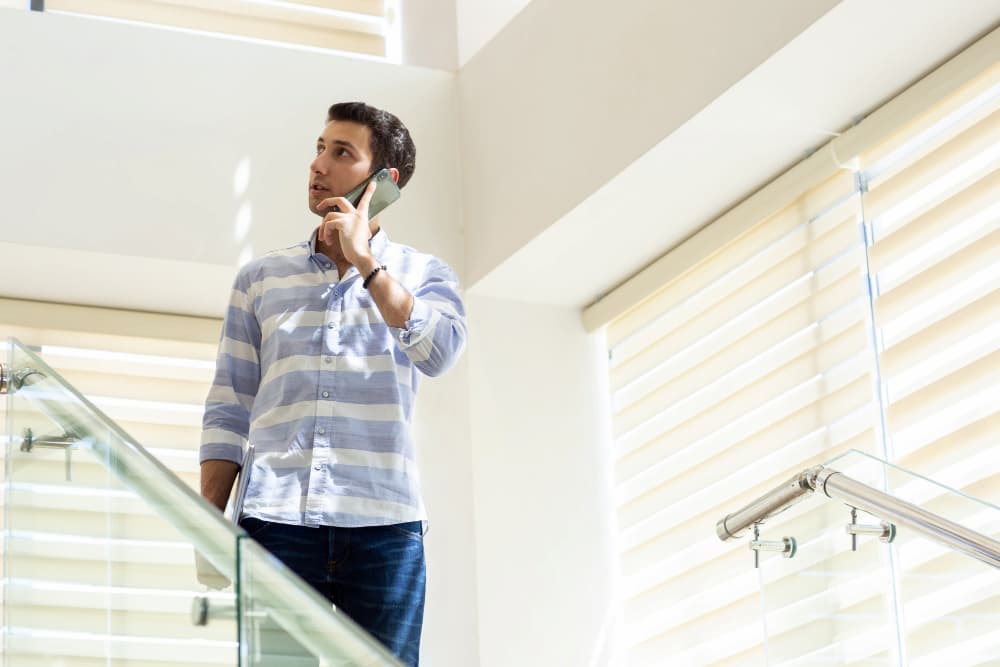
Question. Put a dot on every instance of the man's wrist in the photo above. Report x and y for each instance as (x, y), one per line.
(366, 265)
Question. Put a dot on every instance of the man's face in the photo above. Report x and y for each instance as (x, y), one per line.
(343, 160)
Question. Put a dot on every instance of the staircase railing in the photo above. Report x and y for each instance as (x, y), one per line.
(278, 618)
(858, 495)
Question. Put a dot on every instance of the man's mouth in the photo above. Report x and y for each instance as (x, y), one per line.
(318, 189)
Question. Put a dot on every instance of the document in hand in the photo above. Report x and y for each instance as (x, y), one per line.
(244, 483)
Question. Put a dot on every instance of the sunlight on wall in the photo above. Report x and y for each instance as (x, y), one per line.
(241, 177)
(245, 255)
(244, 218)
(244, 214)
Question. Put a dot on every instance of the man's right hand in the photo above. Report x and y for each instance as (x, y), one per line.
(217, 477)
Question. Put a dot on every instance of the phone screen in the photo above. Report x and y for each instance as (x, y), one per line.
(385, 193)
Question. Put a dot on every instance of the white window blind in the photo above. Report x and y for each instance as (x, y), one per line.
(788, 345)
(90, 569)
(744, 370)
(148, 372)
(933, 207)
(355, 26)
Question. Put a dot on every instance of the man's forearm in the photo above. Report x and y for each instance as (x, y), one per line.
(217, 479)
(394, 301)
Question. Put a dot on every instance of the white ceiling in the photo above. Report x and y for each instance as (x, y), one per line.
(845, 65)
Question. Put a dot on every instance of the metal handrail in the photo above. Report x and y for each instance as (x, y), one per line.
(836, 485)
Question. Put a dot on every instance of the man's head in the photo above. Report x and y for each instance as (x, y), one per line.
(357, 141)
(391, 145)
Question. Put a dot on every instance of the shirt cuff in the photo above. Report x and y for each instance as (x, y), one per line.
(422, 321)
(220, 451)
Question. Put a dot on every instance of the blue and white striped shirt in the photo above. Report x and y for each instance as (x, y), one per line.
(311, 375)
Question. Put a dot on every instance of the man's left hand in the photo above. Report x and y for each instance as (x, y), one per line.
(350, 224)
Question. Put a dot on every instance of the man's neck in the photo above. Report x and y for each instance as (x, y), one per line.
(331, 250)
(334, 251)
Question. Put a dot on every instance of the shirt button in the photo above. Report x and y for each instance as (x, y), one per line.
(328, 360)
(321, 431)
(318, 468)
(331, 325)
(326, 394)
(326, 265)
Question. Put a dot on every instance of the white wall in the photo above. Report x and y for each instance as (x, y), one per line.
(543, 487)
(119, 150)
(125, 141)
(429, 33)
(569, 93)
(480, 20)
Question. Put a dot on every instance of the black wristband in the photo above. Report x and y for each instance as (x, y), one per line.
(372, 275)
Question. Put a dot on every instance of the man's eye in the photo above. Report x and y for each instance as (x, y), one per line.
(344, 151)
(319, 149)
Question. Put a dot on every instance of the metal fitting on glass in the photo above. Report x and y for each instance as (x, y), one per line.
(203, 609)
(884, 531)
(64, 442)
(786, 546)
(11, 380)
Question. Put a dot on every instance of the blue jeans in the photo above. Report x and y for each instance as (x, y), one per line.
(375, 574)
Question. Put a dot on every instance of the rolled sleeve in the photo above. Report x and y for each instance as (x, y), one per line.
(218, 444)
(422, 320)
(436, 330)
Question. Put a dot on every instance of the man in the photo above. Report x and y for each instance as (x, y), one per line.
(321, 352)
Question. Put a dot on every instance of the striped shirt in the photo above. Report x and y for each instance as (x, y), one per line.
(311, 375)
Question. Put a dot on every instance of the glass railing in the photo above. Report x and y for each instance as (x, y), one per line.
(913, 581)
(110, 557)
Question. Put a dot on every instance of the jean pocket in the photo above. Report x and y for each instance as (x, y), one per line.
(255, 527)
(413, 530)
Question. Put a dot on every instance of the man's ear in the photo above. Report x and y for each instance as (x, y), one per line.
(395, 174)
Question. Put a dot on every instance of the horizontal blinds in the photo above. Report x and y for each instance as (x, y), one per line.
(933, 205)
(90, 569)
(357, 26)
(755, 363)
(150, 373)
(934, 208)
(749, 367)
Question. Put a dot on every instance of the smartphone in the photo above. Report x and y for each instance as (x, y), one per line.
(385, 193)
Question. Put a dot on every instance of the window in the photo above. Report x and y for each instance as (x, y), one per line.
(89, 569)
(850, 307)
(352, 26)
(148, 372)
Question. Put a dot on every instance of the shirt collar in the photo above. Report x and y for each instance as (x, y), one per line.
(377, 243)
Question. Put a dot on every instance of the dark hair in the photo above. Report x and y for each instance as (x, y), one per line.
(391, 145)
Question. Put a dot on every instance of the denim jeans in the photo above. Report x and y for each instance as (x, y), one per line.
(374, 574)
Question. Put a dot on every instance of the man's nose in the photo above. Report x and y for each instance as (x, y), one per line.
(318, 165)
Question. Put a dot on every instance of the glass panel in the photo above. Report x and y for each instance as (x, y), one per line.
(99, 541)
(949, 602)
(279, 624)
(107, 554)
(825, 605)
